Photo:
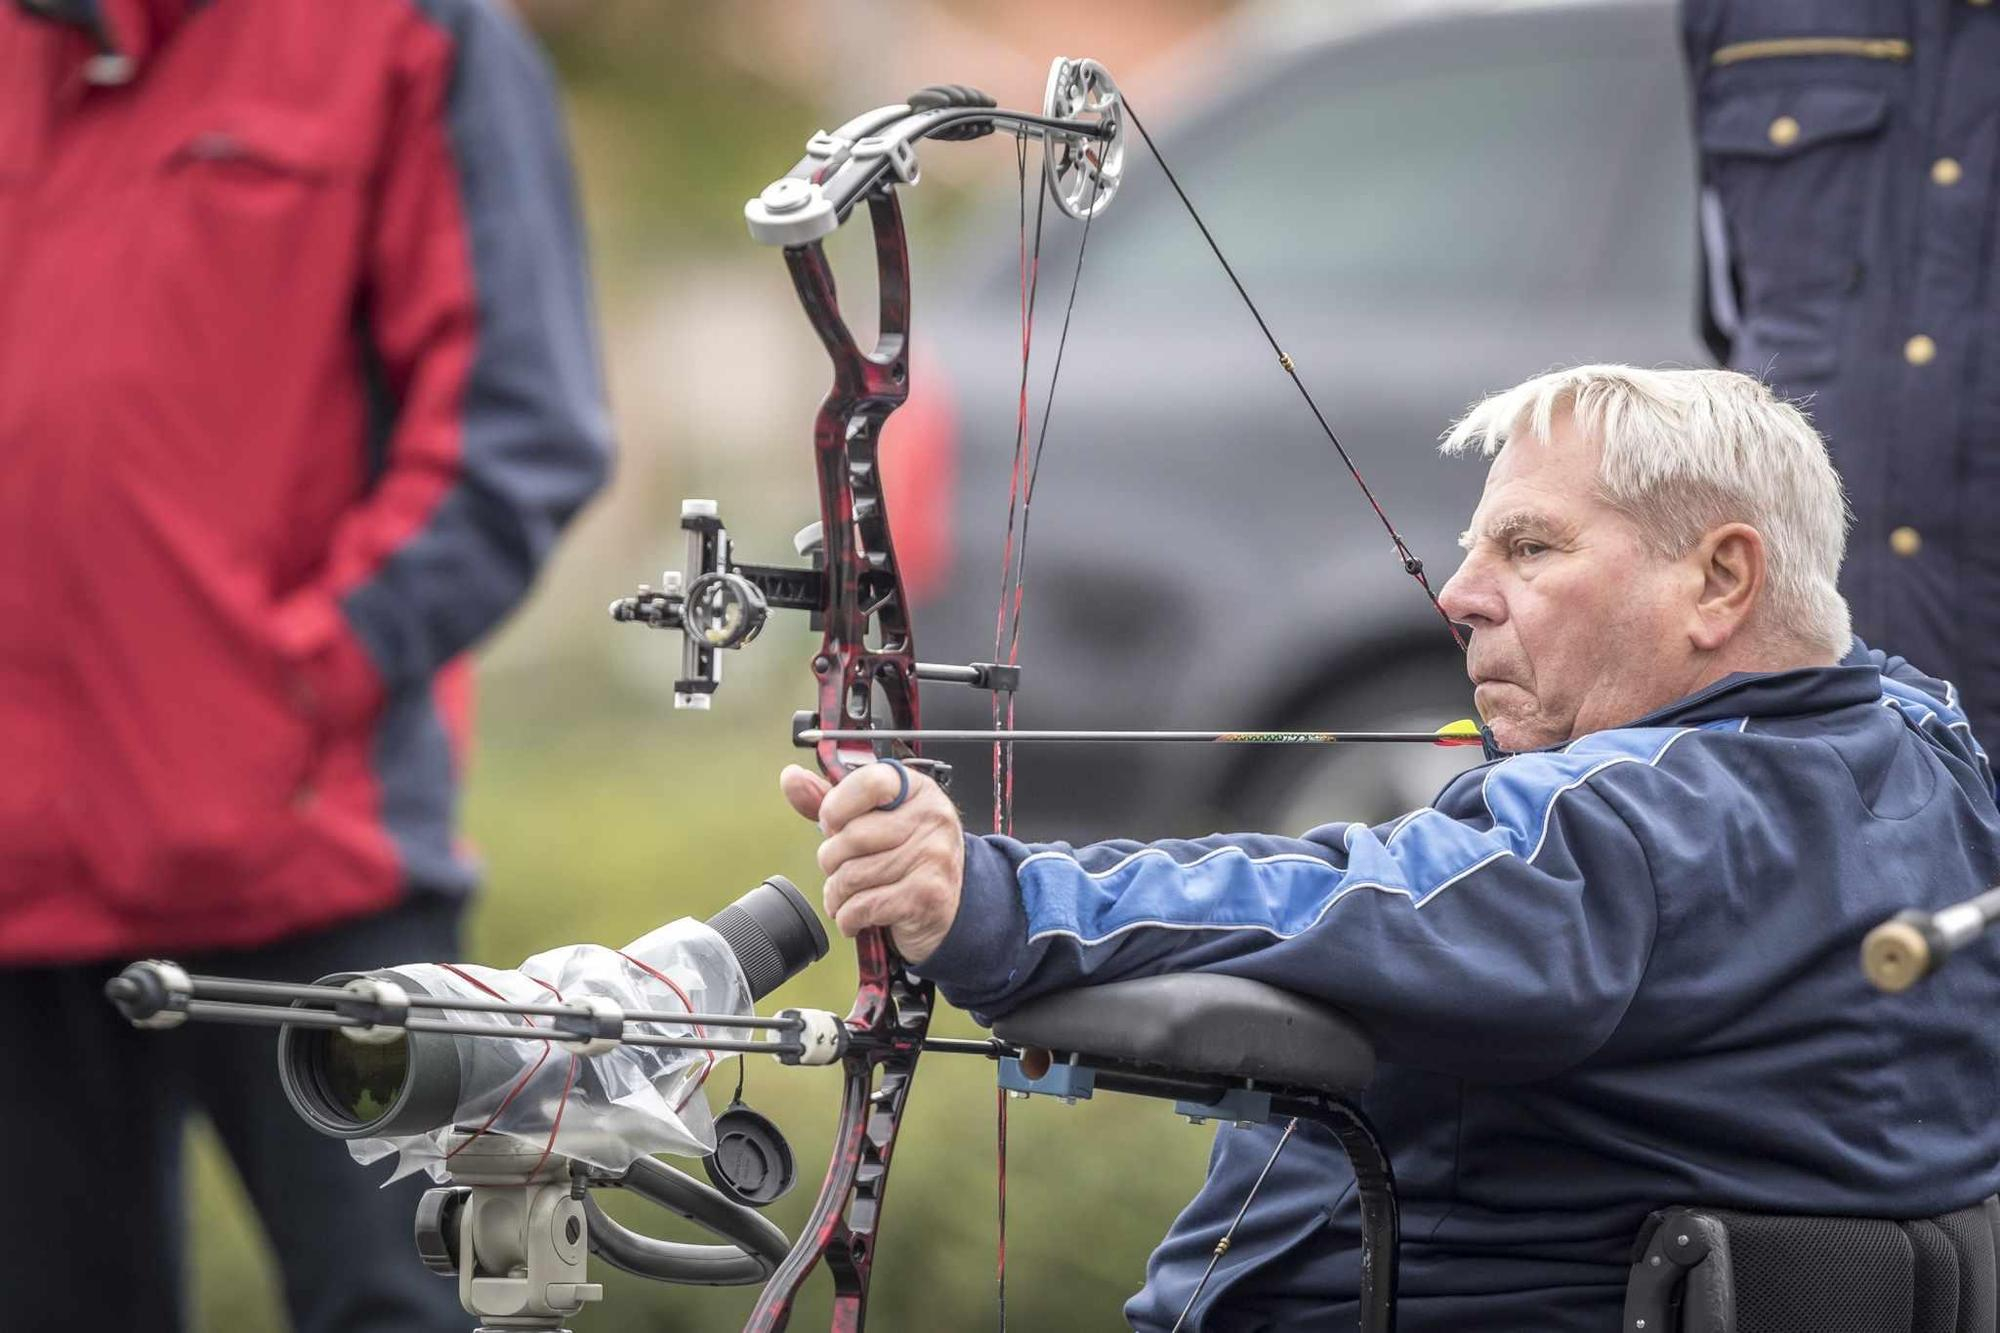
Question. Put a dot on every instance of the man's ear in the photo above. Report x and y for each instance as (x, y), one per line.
(1731, 563)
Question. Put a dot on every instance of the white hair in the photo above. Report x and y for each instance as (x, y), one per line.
(1686, 451)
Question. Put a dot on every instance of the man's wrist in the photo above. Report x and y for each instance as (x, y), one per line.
(979, 959)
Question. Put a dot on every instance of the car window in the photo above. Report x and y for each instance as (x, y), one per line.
(1486, 179)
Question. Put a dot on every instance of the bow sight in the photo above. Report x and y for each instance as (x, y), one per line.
(726, 602)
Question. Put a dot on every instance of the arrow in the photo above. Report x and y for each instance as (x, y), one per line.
(1462, 732)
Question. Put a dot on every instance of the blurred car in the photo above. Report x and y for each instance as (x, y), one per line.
(1425, 211)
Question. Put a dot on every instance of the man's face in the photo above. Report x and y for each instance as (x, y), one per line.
(1576, 624)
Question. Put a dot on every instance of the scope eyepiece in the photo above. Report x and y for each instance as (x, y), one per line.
(774, 933)
(352, 1087)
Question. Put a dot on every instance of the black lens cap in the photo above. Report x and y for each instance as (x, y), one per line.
(751, 1163)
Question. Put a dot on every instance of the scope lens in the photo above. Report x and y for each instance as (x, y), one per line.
(363, 1089)
(362, 1079)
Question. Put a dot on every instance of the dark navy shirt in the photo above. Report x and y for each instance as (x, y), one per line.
(1603, 978)
(1850, 163)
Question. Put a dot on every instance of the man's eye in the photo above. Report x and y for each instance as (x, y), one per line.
(1527, 550)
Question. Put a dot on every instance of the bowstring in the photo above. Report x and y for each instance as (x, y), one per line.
(1007, 610)
(1042, 437)
(1411, 564)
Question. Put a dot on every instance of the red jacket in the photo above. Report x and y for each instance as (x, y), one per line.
(297, 386)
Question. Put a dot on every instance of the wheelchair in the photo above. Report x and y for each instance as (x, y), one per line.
(1228, 1048)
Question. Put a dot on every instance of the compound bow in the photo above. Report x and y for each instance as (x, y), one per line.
(866, 665)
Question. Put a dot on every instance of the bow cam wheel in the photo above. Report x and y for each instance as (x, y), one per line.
(1083, 174)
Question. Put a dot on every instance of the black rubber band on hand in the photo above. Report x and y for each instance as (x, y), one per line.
(903, 794)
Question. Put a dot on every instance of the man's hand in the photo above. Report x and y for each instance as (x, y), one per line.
(901, 869)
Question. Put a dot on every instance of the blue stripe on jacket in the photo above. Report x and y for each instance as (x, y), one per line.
(1286, 893)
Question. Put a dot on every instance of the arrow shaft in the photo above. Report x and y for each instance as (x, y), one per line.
(982, 737)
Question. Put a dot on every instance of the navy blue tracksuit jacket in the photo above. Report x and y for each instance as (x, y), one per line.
(1603, 978)
(1850, 170)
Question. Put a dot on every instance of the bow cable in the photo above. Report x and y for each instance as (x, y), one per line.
(1003, 701)
(1222, 1244)
(1027, 467)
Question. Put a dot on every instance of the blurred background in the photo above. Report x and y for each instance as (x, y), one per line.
(1428, 200)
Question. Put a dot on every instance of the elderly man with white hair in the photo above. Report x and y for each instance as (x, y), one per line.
(1611, 969)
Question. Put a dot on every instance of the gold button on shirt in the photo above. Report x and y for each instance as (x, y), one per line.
(1920, 350)
(1946, 171)
(1906, 542)
(1784, 131)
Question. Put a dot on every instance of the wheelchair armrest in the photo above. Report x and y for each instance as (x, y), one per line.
(1202, 1024)
(1663, 1293)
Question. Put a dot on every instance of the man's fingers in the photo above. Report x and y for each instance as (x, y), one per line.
(876, 907)
(805, 791)
(873, 833)
(835, 805)
(865, 873)
(898, 869)
(913, 919)
(868, 788)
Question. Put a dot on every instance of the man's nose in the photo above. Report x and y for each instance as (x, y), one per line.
(1468, 597)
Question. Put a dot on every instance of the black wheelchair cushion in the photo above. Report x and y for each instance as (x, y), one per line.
(1200, 1023)
(1825, 1274)
(1972, 1238)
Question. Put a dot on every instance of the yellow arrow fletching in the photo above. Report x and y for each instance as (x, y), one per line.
(1462, 732)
